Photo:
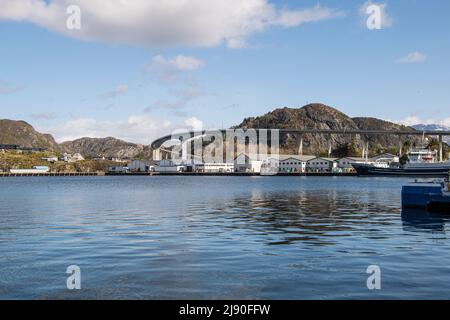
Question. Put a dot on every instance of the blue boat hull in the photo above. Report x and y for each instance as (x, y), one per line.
(425, 196)
(369, 170)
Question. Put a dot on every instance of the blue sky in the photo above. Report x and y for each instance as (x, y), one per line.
(138, 74)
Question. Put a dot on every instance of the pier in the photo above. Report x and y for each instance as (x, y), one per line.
(51, 174)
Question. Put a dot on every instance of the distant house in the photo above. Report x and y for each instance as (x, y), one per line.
(51, 159)
(321, 165)
(77, 157)
(72, 158)
(9, 146)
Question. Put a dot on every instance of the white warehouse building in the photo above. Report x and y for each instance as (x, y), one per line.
(214, 167)
(140, 166)
(293, 163)
(321, 165)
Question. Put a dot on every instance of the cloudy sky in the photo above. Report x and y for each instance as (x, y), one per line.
(139, 69)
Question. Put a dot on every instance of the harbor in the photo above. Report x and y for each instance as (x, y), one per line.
(227, 237)
(244, 156)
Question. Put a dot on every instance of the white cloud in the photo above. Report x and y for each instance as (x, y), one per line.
(413, 57)
(156, 23)
(138, 129)
(180, 62)
(289, 18)
(118, 90)
(386, 20)
(193, 123)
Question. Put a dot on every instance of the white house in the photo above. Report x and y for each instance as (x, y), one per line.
(321, 164)
(51, 159)
(72, 158)
(77, 157)
(293, 163)
(140, 166)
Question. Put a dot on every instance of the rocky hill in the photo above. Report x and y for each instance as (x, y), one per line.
(320, 116)
(23, 134)
(103, 147)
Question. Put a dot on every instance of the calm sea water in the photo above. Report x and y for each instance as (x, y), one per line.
(217, 237)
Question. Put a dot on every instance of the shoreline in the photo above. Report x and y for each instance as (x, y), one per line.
(191, 174)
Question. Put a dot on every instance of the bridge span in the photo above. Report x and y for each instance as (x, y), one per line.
(156, 144)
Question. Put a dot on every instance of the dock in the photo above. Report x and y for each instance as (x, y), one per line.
(51, 174)
(189, 174)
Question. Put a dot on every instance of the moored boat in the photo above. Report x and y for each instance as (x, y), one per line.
(421, 164)
(433, 196)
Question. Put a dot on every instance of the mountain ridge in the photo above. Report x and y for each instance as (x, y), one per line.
(311, 116)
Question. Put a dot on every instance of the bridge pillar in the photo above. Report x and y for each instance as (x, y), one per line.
(300, 148)
(400, 144)
(367, 152)
(440, 149)
(157, 154)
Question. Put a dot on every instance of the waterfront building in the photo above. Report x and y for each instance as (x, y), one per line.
(243, 163)
(214, 167)
(321, 165)
(293, 163)
(167, 166)
(140, 165)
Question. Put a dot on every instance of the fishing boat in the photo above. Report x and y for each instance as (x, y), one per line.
(421, 163)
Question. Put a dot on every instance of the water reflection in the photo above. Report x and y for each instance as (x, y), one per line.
(318, 217)
(420, 220)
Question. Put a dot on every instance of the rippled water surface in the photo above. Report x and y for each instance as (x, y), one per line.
(217, 237)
